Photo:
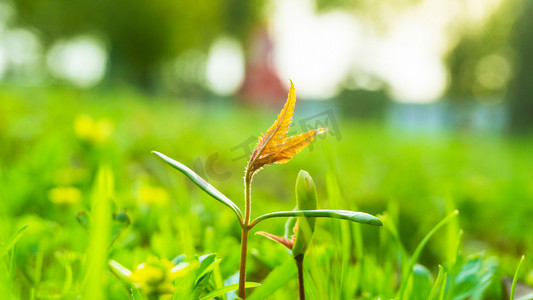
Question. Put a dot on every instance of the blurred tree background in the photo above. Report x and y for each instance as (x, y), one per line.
(140, 35)
(489, 62)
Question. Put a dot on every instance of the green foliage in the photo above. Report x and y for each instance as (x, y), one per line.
(515, 277)
(11, 241)
(412, 261)
(99, 232)
(410, 180)
(277, 278)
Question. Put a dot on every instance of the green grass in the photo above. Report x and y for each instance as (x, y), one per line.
(414, 181)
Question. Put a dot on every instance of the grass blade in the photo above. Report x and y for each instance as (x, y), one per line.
(221, 291)
(443, 286)
(358, 217)
(99, 232)
(515, 277)
(201, 183)
(12, 240)
(275, 280)
(407, 272)
(438, 283)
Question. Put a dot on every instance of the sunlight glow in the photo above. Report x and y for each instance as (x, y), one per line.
(314, 51)
(225, 66)
(81, 60)
(319, 51)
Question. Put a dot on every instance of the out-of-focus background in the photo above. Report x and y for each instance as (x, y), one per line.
(429, 105)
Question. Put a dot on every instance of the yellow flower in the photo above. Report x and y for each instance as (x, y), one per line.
(152, 195)
(93, 131)
(67, 195)
(153, 277)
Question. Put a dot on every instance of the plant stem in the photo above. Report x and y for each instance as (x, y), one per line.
(244, 238)
(300, 265)
(242, 270)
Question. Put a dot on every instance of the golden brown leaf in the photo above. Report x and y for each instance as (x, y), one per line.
(274, 146)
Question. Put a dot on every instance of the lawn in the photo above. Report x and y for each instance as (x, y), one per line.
(76, 167)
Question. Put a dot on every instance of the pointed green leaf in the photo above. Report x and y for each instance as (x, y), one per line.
(201, 183)
(208, 263)
(409, 270)
(12, 240)
(136, 294)
(221, 291)
(99, 234)
(353, 216)
(421, 284)
(275, 280)
(437, 285)
(515, 277)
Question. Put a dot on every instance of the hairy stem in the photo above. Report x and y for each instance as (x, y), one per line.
(300, 265)
(244, 238)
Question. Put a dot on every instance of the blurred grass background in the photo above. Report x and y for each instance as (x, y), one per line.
(50, 157)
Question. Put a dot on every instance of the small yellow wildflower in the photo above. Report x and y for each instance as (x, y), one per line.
(153, 277)
(65, 195)
(152, 195)
(92, 131)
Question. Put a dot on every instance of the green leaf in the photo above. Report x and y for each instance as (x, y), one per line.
(443, 286)
(438, 283)
(358, 217)
(275, 280)
(515, 277)
(207, 264)
(474, 276)
(421, 284)
(136, 294)
(12, 240)
(99, 234)
(221, 291)
(407, 272)
(202, 184)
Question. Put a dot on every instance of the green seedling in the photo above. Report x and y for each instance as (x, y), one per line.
(303, 227)
(274, 147)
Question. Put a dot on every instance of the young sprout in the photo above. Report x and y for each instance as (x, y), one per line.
(274, 147)
(303, 227)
